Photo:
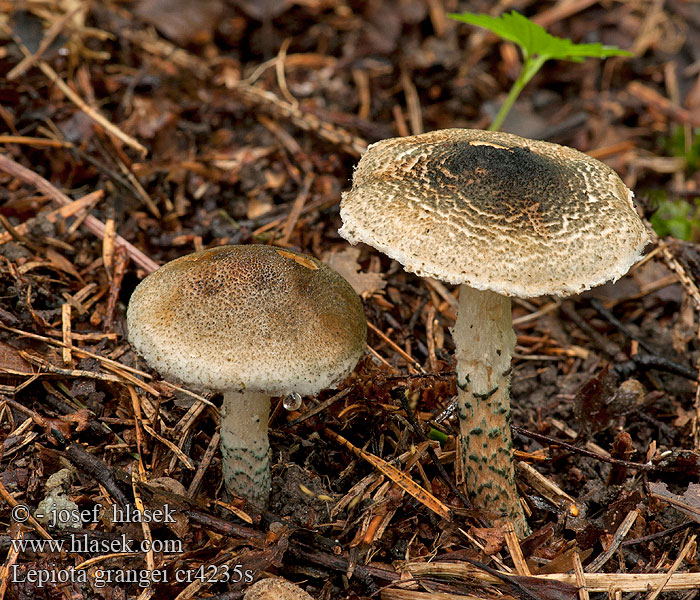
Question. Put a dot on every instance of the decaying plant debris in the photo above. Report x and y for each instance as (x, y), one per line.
(136, 132)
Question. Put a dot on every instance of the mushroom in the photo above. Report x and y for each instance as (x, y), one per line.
(275, 589)
(502, 216)
(251, 322)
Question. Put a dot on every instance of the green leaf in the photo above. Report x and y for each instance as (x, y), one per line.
(676, 218)
(534, 40)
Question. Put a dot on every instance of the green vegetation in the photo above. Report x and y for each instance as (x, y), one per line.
(677, 218)
(678, 146)
(537, 47)
(436, 434)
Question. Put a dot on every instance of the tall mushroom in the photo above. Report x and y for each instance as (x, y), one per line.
(502, 216)
(251, 322)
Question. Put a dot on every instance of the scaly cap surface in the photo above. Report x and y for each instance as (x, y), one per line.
(254, 318)
(494, 211)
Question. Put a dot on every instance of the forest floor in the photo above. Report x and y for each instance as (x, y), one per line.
(134, 132)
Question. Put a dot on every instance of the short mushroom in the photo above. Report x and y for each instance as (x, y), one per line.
(275, 589)
(502, 216)
(251, 322)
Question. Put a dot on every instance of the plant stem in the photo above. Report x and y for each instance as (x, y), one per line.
(530, 68)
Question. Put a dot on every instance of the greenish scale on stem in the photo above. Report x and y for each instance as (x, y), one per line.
(484, 341)
(245, 447)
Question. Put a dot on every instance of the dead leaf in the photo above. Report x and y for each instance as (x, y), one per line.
(592, 402)
(12, 362)
(688, 503)
(81, 418)
(259, 206)
(495, 538)
(150, 116)
(179, 527)
(263, 10)
(683, 417)
(183, 21)
(688, 254)
(601, 401)
(58, 424)
(345, 263)
(522, 586)
(61, 263)
(562, 562)
(681, 461)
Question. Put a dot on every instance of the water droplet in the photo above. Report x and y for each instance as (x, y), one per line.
(292, 401)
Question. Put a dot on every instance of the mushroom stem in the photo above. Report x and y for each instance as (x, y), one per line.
(244, 445)
(484, 343)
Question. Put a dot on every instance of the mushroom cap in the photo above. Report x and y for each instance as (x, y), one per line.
(275, 589)
(494, 211)
(252, 318)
